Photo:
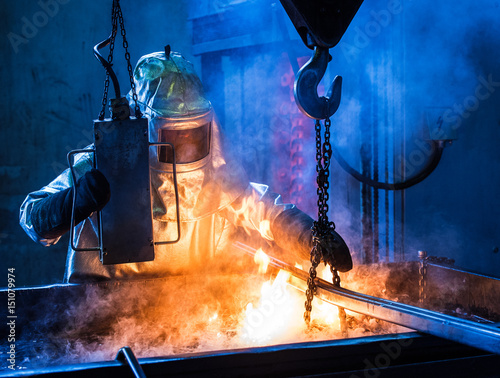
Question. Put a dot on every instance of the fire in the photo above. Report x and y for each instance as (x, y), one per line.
(274, 315)
(323, 311)
(185, 314)
(278, 315)
(326, 274)
(262, 260)
(265, 229)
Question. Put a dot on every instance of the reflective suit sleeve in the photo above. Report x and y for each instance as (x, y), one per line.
(264, 211)
(83, 162)
(292, 232)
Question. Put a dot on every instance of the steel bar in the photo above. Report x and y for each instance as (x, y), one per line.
(415, 356)
(477, 335)
(126, 355)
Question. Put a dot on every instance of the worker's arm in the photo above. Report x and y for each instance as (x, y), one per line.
(290, 228)
(45, 215)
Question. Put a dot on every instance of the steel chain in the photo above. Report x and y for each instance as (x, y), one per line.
(311, 286)
(138, 113)
(114, 24)
(322, 228)
(422, 283)
(327, 153)
(117, 17)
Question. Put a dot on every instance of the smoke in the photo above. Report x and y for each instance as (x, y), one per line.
(155, 318)
(184, 314)
(255, 102)
(399, 57)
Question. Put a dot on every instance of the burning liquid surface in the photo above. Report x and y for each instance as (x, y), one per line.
(180, 315)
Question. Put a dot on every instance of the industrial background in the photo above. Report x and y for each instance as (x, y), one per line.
(404, 64)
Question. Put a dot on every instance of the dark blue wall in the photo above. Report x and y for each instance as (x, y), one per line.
(453, 61)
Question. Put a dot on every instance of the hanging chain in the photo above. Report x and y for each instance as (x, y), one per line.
(114, 23)
(138, 113)
(315, 252)
(117, 17)
(422, 282)
(311, 286)
(322, 227)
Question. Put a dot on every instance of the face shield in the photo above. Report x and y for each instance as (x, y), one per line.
(171, 95)
(190, 136)
(191, 142)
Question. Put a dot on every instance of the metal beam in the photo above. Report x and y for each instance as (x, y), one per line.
(477, 335)
(411, 354)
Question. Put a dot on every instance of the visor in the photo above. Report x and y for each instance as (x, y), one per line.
(189, 136)
(190, 145)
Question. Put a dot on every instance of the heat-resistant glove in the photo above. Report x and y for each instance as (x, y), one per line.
(335, 251)
(51, 216)
(292, 232)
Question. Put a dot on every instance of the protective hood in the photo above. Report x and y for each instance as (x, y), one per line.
(208, 179)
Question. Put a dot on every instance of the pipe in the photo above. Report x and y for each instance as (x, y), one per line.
(126, 355)
(477, 335)
(434, 323)
(437, 152)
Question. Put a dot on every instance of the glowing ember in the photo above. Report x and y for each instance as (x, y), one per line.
(325, 273)
(275, 315)
(265, 229)
(325, 313)
(183, 314)
(262, 260)
(278, 315)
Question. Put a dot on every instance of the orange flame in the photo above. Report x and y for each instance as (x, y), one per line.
(262, 259)
(278, 315)
(274, 316)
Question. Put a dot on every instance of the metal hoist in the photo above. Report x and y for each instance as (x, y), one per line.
(121, 152)
(321, 26)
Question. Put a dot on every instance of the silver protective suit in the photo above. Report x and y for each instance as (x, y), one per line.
(215, 196)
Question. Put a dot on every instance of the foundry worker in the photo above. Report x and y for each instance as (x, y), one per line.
(215, 196)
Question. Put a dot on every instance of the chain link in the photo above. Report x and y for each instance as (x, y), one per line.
(315, 253)
(117, 17)
(322, 228)
(138, 113)
(422, 283)
(311, 286)
(114, 24)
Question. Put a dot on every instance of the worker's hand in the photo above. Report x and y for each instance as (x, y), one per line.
(92, 194)
(51, 216)
(335, 251)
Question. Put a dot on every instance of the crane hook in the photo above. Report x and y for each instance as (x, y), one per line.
(306, 87)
